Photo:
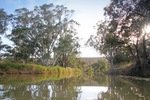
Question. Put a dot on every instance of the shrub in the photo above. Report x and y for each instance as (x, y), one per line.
(102, 65)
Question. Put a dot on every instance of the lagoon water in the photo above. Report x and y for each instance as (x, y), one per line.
(84, 87)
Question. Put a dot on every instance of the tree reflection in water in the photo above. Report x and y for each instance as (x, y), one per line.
(75, 88)
(64, 89)
(121, 88)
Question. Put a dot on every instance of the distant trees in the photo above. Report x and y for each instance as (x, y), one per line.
(101, 65)
(35, 33)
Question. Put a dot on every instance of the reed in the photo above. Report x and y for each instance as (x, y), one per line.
(17, 68)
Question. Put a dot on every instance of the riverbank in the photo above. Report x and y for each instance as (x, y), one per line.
(17, 68)
(131, 70)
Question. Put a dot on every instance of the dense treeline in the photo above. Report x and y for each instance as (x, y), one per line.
(44, 35)
(124, 36)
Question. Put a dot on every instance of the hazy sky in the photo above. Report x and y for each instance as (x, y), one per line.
(87, 13)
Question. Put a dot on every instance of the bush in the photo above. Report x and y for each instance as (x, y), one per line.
(102, 65)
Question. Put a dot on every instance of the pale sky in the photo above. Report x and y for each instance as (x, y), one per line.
(87, 13)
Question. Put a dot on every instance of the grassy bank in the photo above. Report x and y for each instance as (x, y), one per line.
(16, 68)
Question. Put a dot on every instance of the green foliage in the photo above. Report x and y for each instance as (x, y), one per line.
(90, 71)
(3, 21)
(101, 66)
(132, 34)
(106, 41)
(120, 35)
(122, 56)
(3, 28)
(67, 50)
(36, 32)
(39, 33)
(129, 21)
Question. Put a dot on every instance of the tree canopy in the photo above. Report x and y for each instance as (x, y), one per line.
(121, 33)
(35, 33)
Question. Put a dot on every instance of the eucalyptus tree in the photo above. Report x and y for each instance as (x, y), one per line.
(3, 21)
(56, 22)
(3, 28)
(126, 20)
(21, 35)
(67, 50)
(130, 17)
(36, 32)
(105, 41)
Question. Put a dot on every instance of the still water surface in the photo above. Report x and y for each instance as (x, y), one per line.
(97, 87)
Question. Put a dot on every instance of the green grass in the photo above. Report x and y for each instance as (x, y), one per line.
(17, 68)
